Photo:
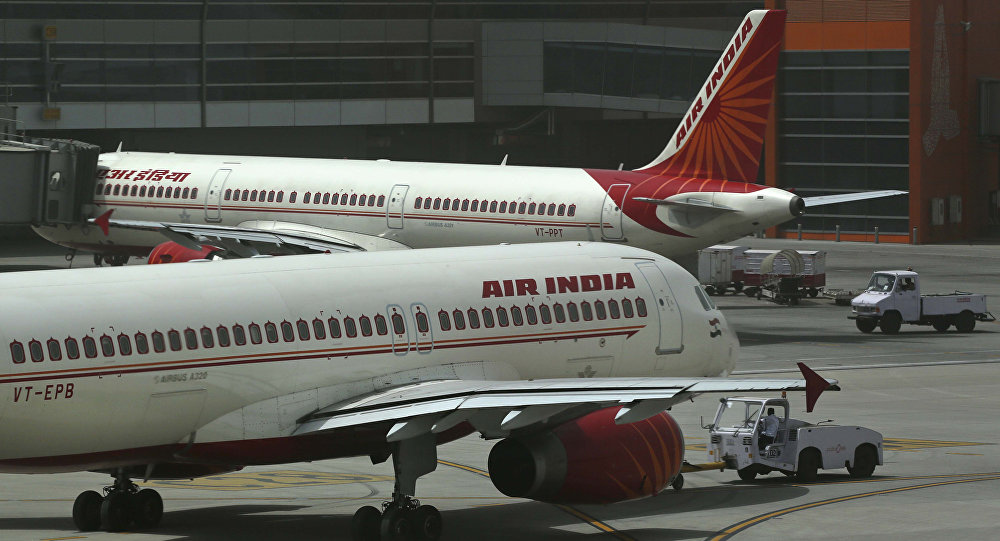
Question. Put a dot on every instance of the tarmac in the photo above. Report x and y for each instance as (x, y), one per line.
(934, 396)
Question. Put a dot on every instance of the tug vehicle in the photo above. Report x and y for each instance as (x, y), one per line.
(798, 448)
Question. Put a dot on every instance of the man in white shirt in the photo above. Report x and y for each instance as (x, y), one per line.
(769, 429)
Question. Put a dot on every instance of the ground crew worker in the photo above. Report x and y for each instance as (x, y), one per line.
(770, 429)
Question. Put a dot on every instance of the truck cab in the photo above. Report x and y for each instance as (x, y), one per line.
(799, 448)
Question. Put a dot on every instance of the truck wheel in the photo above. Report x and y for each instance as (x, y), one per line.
(941, 325)
(965, 322)
(865, 325)
(710, 290)
(809, 461)
(864, 462)
(890, 322)
(747, 474)
(813, 292)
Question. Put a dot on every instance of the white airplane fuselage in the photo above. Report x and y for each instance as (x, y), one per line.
(580, 204)
(201, 401)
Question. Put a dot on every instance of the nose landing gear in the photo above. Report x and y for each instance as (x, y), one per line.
(122, 506)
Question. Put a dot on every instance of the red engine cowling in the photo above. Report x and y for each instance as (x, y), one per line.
(590, 460)
(171, 252)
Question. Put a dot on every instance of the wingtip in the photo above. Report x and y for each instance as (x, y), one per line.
(103, 220)
(815, 385)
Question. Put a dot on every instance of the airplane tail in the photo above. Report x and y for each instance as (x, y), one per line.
(723, 131)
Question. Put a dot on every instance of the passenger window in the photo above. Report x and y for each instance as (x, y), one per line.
(326, 199)
(437, 203)
(142, 192)
(350, 328)
(473, 318)
(72, 348)
(459, 318)
(107, 347)
(253, 195)
(303, 329)
(318, 329)
(571, 210)
(546, 314)
(475, 205)
(184, 194)
(334, 327)
(531, 208)
(427, 203)
(270, 196)
(422, 324)
(444, 321)
(552, 209)
(159, 191)
(170, 190)
(627, 308)
(207, 338)
(560, 312)
(562, 209)
(446, 204)
(159, 345)
(291, 197)
(397, 324)
(190, 338)
(541, 209)
(107, 189)
(640, 306)
(531, 314)
(613, 309)
(366, 325)
(588, 312)
(222, 332)
(488, 318)
(465, 205)
(55, 350)
(381, 200)
(271, 331)
(124, 344)
(343, 199)
(599, 308)
(513, 208)
(335, 198)
(118, 189)
(133, 190)
(574, 314)
(493, 206)
(502, 317)
(354, 199)
(380, 327)
(89, 347)
(515, 316)
(239, 335)
(194, 193)
(255, 336)
(281, 195)
(520, 208)
(287, 332)
(417, 202)
(503, 206)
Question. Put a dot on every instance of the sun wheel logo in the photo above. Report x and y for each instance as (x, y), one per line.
(716, 331)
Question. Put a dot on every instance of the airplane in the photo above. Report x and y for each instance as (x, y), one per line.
(698, 192)
(568, 353)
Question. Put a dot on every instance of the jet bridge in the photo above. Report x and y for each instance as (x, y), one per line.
(45, 181)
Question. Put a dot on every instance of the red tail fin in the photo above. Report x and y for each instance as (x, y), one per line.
(723, 131)
(102, 221)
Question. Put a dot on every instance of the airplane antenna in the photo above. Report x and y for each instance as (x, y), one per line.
(620, 165)
(504, 162)
(119, 149)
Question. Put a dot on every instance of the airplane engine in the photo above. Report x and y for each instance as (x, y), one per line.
(171, 252)
(590, 460)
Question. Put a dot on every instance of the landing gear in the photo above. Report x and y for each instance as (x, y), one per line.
(113, 260)
(403, 518)
(123, 506)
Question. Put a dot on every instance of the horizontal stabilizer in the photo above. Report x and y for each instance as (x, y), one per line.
(848, 197)
(685, 201)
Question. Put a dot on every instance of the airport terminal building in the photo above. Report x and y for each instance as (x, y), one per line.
(879, 94)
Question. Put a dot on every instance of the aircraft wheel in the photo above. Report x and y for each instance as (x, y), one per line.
(365, 524)
(808, 466)
(116, 511)
(941, 325)
(87, 511)
(890, 322)
(426, 523)
(147, 508)
(864, 462)
(747, 474)
(865, 325)
(678, 482)
(965, 322)
(395, 525)
(98, 260)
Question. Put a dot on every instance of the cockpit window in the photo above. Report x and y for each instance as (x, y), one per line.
(706, 302)
(881, 282)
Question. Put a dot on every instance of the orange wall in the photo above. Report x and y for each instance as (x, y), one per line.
(847, 35)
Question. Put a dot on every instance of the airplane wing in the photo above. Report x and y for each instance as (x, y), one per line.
(495, 408)
(818, 200)
(256, 237)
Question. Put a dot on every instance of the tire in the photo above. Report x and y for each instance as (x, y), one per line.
(426, 523)
(116, 511)
(750, 291)
(678, 482)
(738, 286)
(813, 292)
(941, 325)
(365, 524)
(890, 322)
(864, 462)
(87, 511)
(809, 462)
(965, 322)
(395, 525)
(747, 474)
(865, 325)
(710, 290)
(147, 508)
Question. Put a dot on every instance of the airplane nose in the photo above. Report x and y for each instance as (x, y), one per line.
(796, 206)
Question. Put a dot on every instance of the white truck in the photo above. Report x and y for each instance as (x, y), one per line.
(737, 438)
(893, 298)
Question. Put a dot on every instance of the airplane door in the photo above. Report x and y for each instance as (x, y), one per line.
(671, 325)
(611, 213)
(397, 328)
(423, 337)
(395, 207)
(213, 196)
